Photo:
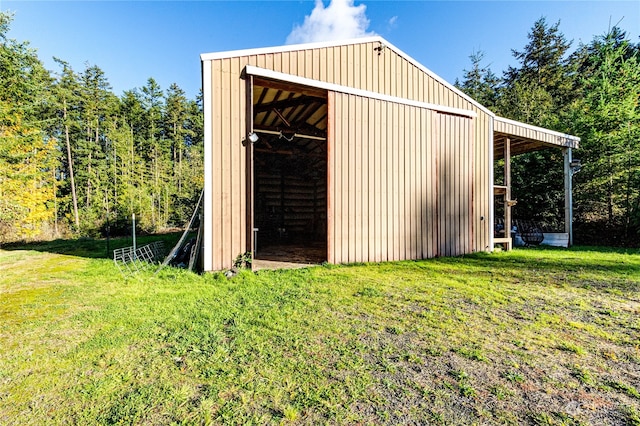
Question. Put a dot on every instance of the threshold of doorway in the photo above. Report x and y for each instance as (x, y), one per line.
(261, 264)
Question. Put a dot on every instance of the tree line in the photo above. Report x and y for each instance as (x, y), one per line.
(592, 92)
(75, 158)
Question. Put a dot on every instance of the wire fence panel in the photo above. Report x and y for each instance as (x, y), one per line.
(130, 261)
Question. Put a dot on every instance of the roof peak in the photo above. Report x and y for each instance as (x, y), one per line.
(346, 42)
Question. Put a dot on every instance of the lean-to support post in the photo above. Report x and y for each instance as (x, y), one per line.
(568, 194)
(507, 195)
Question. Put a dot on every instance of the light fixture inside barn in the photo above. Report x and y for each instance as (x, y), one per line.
(251, 137)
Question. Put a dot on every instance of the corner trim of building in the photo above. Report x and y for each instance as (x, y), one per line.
(208, 165)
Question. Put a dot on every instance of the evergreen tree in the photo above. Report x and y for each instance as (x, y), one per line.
(537, 92)
(28, 158)
(607, 118)
(96, 110)
(480, 82)
(67, 92)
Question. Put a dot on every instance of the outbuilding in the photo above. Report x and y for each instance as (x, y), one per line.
(351, 151)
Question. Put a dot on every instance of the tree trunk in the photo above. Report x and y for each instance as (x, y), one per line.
(76, 217)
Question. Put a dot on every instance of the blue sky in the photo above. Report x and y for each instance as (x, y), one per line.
(134, 40)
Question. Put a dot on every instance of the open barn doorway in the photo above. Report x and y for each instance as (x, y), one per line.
(289, 174)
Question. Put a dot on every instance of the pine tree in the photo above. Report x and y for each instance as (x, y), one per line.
(67, 92)
(480, 82)
(28, 158)
(607, 118)
(537, 92)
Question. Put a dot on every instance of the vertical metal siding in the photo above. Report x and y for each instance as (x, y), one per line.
(401, 181)
(455, 185)
(228, 163)
(388, 182)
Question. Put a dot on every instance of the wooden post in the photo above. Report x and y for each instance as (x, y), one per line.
(250, 243)
(568, 195)
(507, 195)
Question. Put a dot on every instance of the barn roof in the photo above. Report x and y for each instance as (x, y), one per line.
(526, 138)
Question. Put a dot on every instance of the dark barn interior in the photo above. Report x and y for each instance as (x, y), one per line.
(290, 173)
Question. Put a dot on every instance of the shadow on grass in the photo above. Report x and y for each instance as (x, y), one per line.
(94, 248)
(579, 266)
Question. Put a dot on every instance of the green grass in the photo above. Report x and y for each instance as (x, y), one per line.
(532, 336)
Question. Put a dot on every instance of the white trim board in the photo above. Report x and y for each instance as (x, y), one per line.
(207, 240)
(303, 81)
(574, 140)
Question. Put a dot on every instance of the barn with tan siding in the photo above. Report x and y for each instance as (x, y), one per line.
(348, 151)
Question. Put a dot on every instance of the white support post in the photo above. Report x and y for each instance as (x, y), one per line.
(492, 196)
(507, 195)
(568, 194)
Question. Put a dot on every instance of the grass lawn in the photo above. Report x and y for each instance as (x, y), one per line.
(532, 336)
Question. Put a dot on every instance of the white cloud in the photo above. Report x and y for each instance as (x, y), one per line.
(393, 21)
(340, 20)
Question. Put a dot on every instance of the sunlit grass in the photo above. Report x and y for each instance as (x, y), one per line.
(517, 337)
